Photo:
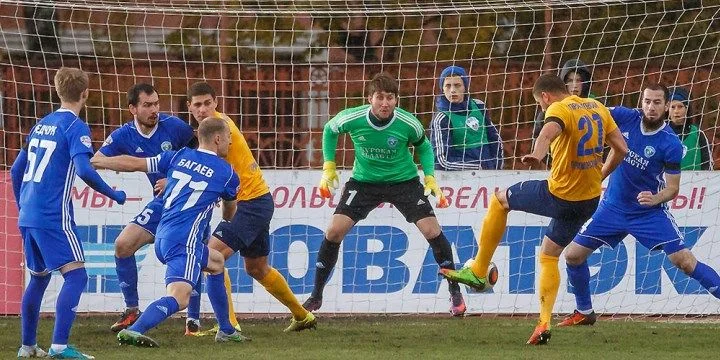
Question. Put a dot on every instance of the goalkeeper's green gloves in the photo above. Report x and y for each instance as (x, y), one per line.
(431, 186)
(329, 181)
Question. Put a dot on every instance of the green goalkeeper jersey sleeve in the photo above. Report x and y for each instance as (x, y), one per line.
(382, 153)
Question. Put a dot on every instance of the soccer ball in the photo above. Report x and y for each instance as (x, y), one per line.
(492, 275)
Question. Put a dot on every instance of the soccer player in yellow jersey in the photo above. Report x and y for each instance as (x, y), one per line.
(249, 231)
(574, 130)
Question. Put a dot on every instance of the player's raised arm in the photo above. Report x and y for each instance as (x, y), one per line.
(86, 172)
(122, 163)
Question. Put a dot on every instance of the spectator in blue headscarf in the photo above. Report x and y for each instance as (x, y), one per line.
(461, 132)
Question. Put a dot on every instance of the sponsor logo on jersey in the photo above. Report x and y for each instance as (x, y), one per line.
(108, 140)
(166, 146)
(392, 141)
(138, 150)
(85, 140)
(649, 151)
(473, 123)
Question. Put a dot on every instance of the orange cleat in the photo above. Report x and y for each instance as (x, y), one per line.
(579, 319)
(127, 318)
(540, 336)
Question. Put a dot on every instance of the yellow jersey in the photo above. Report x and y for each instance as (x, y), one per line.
(576, 172)
(252, 183)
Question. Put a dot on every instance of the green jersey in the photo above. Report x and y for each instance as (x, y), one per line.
(382, 153)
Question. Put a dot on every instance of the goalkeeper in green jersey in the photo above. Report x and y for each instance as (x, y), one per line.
(384, 171)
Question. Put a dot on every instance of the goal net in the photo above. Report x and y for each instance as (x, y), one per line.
(282, 69)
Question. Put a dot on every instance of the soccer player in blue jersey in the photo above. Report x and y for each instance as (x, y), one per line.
(635, 202)
(148, 134)
(196, 180)
(57, 148)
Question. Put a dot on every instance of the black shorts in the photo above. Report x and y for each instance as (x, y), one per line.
(359, 198)
(249, 231)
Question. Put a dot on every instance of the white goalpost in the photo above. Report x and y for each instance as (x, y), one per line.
(282, 69)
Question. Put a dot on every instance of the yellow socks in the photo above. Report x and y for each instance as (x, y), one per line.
(276, 285)
(549, 284)
(228, 292)
(491, 233)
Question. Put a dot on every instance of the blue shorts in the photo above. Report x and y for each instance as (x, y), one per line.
(534, 197)
(249, 231)
(655, 229)
(182, 265)
(50, 249)
(149, 218)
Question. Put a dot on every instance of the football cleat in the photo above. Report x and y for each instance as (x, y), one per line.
(578, 318)
(467, 277)
(31, 352)
(312, 303)
(127, 318)
(212, 331)
(457, 307)
(192, 327)
(236, 336)
(129, 337)
(70, 352)
(540, 335)
(309, 322)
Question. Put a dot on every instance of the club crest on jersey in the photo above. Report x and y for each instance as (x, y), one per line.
(85, 140)
(473, 123)
(392, 141)
(649, 151)
(166, 146)
(108, 140)
(685, 149)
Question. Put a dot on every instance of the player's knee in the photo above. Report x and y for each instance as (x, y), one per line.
(256, 270)
(124, 247)
(334, 234)
(573, 257)
(686, 263)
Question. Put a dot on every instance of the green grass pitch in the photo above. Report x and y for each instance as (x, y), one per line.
(397, 337)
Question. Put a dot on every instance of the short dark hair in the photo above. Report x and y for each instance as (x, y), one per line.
(200, 88)
(549, 83)
(210, 127)
(660, 87)
(140, 88)
(382, 82)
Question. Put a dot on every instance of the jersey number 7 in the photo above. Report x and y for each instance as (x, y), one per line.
(182, 181)
(37, 147)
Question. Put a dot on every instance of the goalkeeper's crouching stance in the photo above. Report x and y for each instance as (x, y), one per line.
(384, 171)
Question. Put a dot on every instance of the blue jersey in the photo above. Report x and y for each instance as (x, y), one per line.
(171, 133)
(651, 154)
(49, 171)
(197, 179)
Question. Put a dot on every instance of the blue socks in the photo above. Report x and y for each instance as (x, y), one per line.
(219, 301)
(67, 302)
(156, 313)
(193, 309)
(127, 274)
(579, 276)
(30, 312)
(708, 278)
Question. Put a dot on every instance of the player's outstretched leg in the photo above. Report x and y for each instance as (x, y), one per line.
(134, 338)
(479, 274)
(278, 287)
(705, 275)
(30, 314)
(130, 240)
(327, 258)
